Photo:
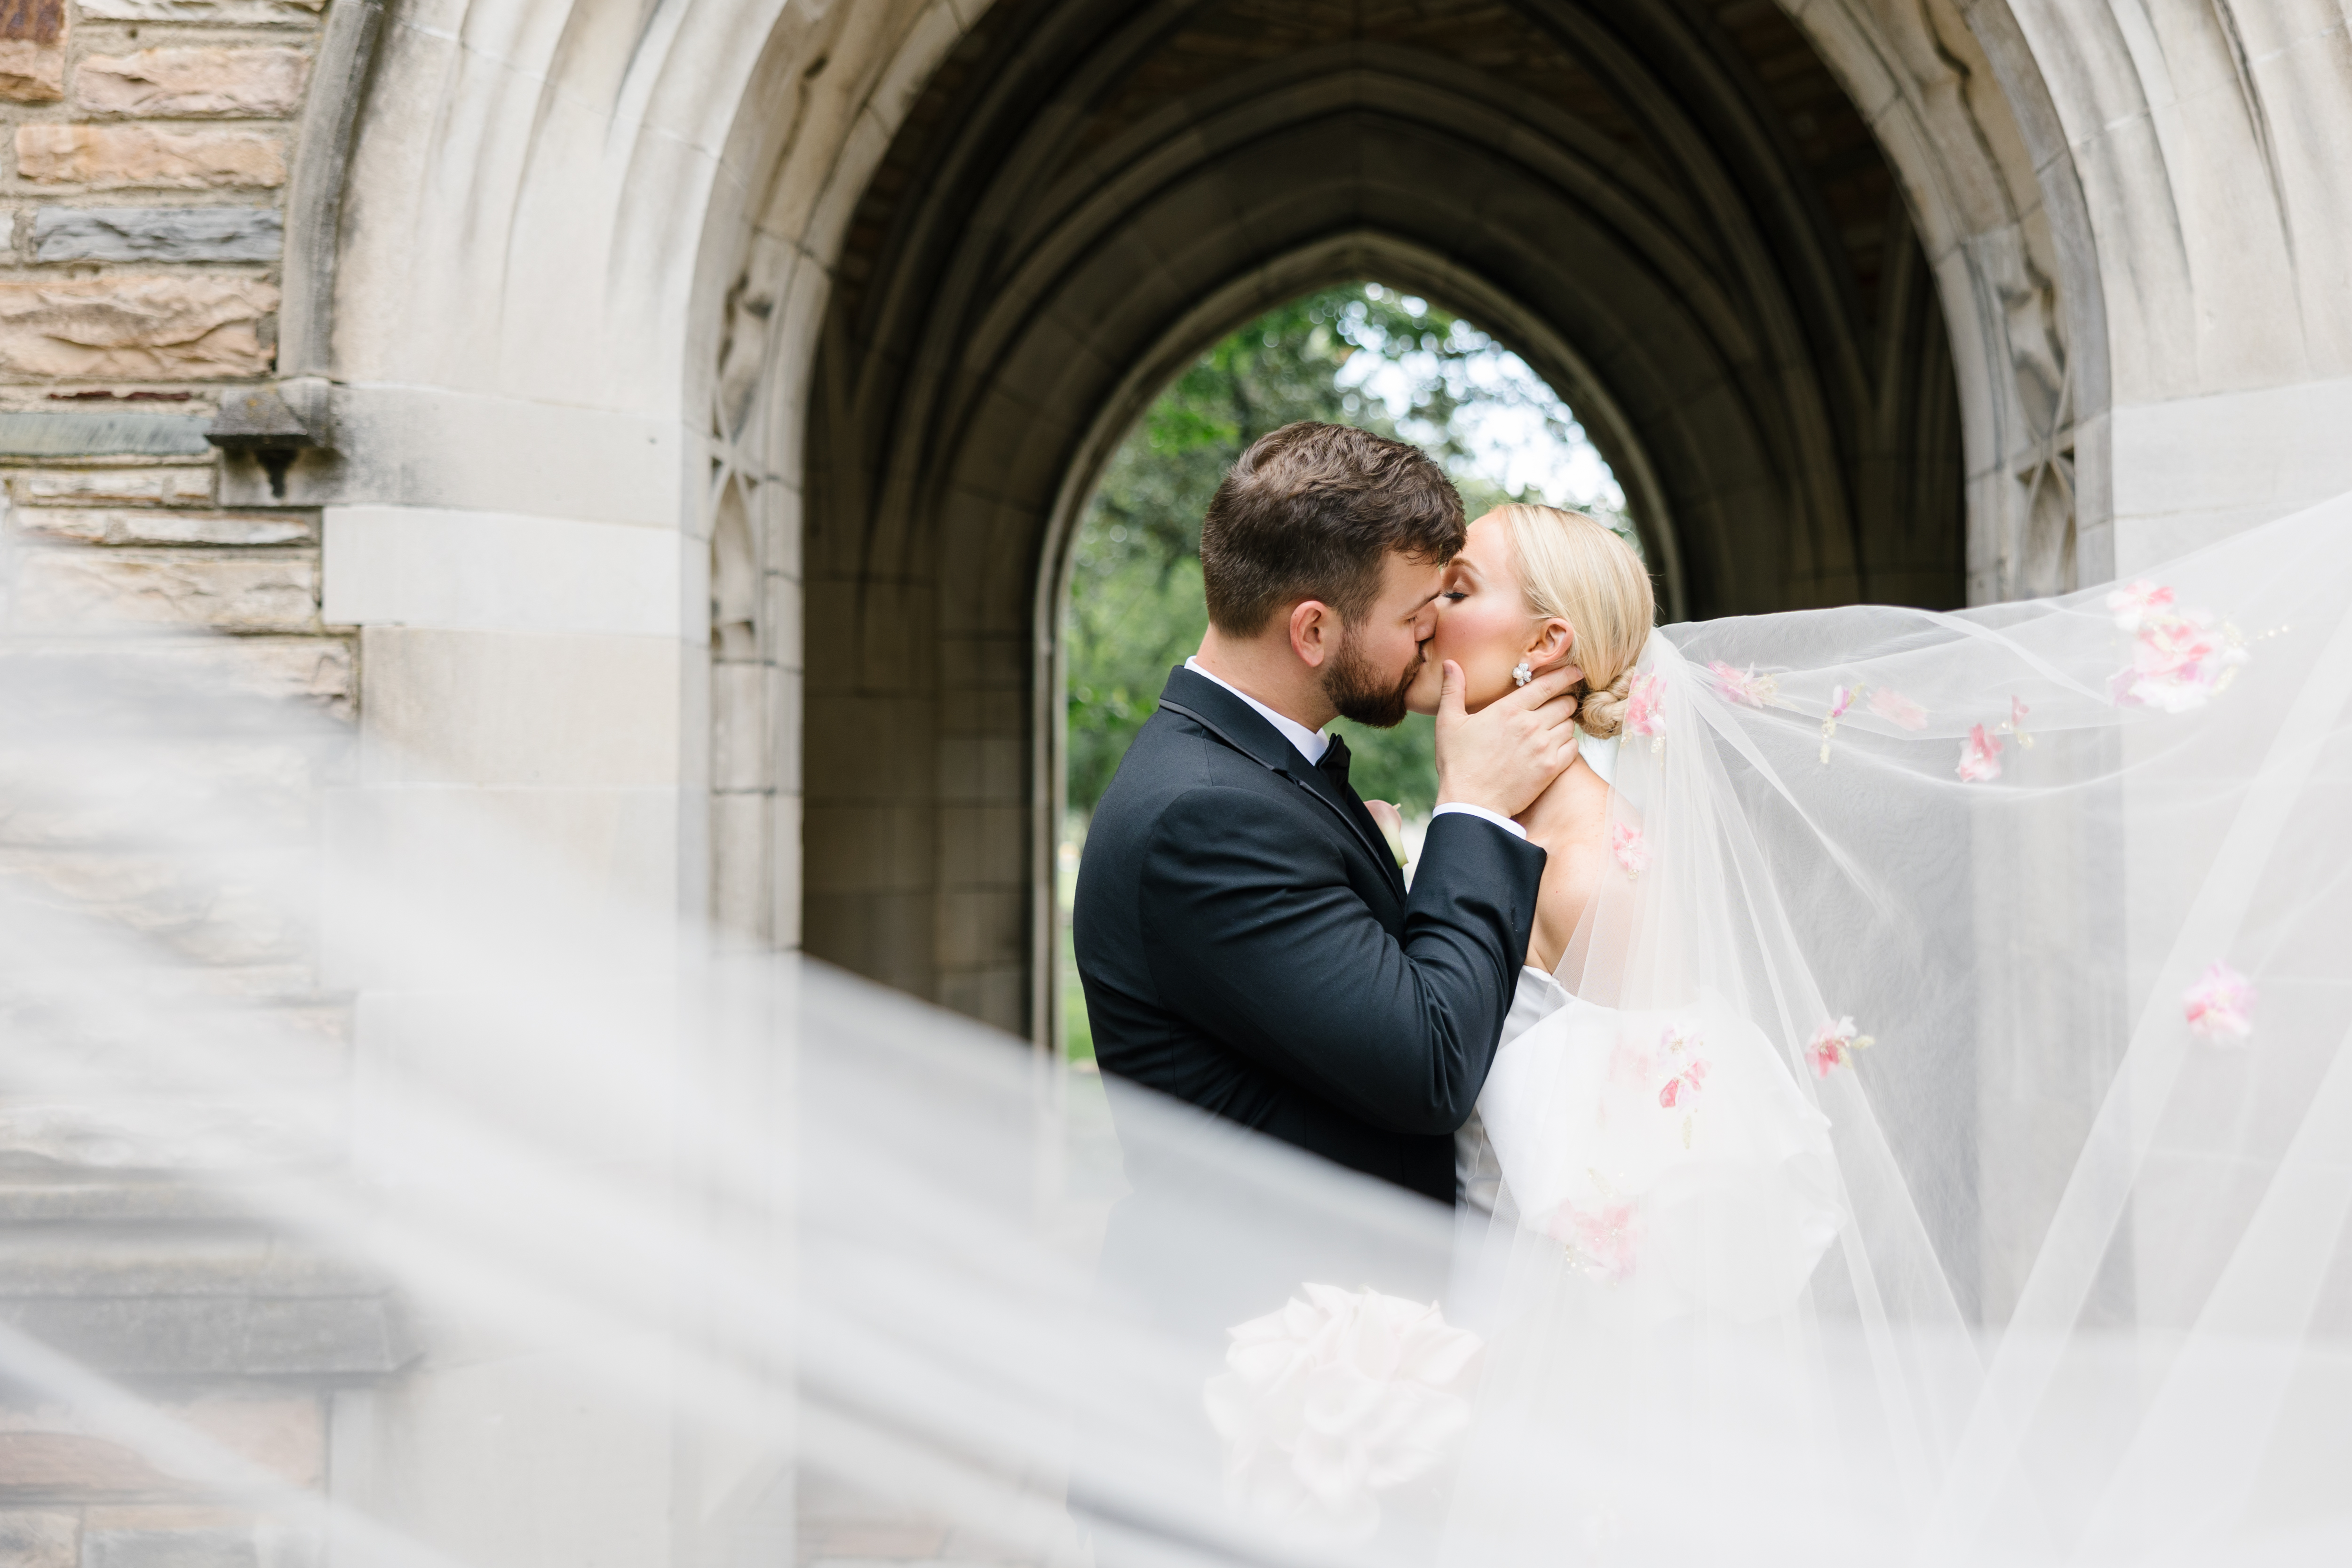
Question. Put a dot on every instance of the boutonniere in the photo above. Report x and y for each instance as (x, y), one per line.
(1391, 825)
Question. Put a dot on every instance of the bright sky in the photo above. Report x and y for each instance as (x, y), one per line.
(1518, 431)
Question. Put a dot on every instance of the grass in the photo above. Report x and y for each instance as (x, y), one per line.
(1078, 1033)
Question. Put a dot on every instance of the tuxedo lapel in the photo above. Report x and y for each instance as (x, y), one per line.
(1238, 725)
(1344, 799)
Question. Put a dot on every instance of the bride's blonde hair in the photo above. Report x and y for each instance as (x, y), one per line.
(1575, 567)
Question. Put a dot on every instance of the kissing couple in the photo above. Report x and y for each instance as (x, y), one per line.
(1245, 933)
(2075, 865)
(1491, 1035)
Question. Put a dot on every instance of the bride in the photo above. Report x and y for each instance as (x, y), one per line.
(1918, 1130)
(1640, 1121)
(1659, 1181)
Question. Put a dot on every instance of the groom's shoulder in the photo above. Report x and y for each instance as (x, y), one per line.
(1181, 790)
(1175, 753)
(1178, 766)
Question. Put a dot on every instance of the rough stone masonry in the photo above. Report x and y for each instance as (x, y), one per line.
(150, 142)
(147, 146)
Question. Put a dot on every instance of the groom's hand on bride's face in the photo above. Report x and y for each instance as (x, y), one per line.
(1504, 755)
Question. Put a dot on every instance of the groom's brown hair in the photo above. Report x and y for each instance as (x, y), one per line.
(1313, 511)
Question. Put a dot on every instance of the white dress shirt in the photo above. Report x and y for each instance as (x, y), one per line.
(1313, 743)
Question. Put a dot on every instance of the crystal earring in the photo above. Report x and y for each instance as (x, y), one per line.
(1521, 674)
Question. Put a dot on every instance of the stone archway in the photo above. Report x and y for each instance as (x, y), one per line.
(1724, 229)
(569, 286)
(1698, 245)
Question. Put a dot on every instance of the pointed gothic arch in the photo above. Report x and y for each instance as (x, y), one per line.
(1089, 193)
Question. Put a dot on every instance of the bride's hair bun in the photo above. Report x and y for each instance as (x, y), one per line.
(1602, 713)
(1575, 567)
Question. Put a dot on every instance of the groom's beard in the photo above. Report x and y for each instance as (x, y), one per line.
(1362, 694)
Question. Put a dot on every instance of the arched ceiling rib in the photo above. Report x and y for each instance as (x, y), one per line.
(1703, 189)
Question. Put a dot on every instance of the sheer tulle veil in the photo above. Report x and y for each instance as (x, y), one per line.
(2042, 907)
(2027, 924)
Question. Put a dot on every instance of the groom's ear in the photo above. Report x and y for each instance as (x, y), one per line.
(1313, 631)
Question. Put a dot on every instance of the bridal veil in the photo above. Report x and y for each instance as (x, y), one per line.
(2043, 907)
(2030, 919)
(2038, 913)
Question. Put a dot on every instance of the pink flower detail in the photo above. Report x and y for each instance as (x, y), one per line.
(1604, 1240)
(2177, 662)
(1744, 685)
(1840, 698)
(2014, 725)
(1643, 702)
(1897, 709)
(2133, 603)
(2221, 1006)
(1979, 756)
(1631, 850)
(1683, 1086)
(1832, 1045)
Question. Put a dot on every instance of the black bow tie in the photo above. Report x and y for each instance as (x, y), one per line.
(1335, 762)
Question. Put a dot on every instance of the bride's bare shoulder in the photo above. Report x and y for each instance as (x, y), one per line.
(1570, 823)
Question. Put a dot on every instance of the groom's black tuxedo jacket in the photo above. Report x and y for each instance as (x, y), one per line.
(1248, 943)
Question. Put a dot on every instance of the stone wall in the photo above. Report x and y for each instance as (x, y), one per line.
(70, 1495)
(145, 151)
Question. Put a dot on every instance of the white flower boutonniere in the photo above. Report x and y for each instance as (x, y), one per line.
(1392, 823)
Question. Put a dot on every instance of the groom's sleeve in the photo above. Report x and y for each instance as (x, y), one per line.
(1254, 934)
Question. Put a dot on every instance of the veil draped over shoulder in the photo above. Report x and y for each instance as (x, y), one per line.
(2010, 945)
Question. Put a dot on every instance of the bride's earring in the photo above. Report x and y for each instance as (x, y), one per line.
(1521, 674)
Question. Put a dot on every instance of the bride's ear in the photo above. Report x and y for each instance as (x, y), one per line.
(1554, 640)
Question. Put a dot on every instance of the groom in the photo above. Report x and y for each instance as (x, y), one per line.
(1243, 934)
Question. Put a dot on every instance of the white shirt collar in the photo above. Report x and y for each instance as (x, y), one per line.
(1311, 743)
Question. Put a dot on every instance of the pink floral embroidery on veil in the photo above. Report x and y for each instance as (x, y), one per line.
(2136, 602)
(1644, 710)
(1897, 709)
(1744, 685)
(1833, 1046)
(1604, 1239)
(2015, 724)
(1840, 698)
(1979, 756)
(2179, 659)
(2221, 1006)
(1632, 852)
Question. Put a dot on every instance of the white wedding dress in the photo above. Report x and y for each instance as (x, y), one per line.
(1667, 1151)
